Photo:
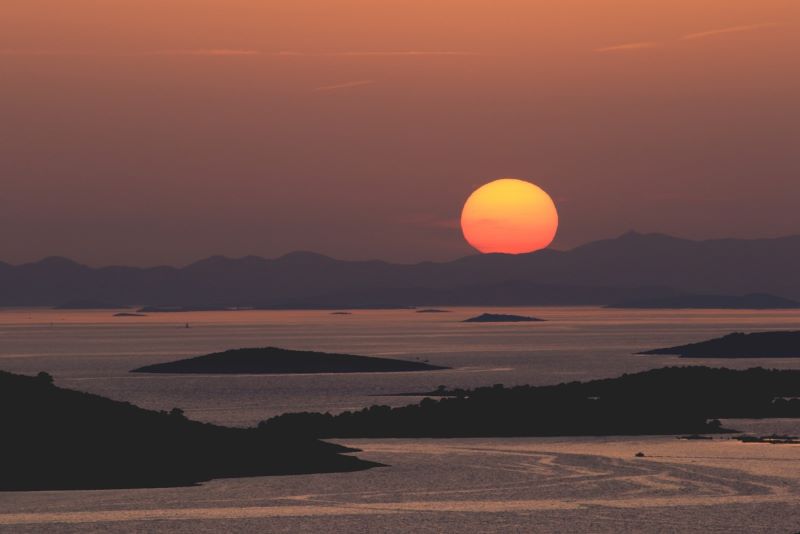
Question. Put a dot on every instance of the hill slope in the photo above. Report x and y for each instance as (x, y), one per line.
(56, 438)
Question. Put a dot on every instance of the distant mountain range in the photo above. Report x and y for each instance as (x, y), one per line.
(632, 266)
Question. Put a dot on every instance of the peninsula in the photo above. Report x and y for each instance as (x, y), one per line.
(55, 438)
(780, 344)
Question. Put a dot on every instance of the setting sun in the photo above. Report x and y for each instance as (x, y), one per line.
(509, 216)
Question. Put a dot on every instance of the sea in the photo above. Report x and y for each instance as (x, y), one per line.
(588, 484)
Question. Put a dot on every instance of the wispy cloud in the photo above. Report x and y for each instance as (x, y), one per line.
(230, 52)
(374, 53)
(211, 52)
(731, 29)
(688, 37)
(42, 52)
(402, 53)
(344, 85)
(208, 52)
(627, 46)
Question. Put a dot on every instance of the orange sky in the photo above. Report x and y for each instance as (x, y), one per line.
(162, 131)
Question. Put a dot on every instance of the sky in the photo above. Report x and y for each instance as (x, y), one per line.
(149, 132)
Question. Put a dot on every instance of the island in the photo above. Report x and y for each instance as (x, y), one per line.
(501, 318)
(273, 360)
(129, 314)
(779, 344)
(56, 439)
(666, 401)
(433, 310)
(752, 301)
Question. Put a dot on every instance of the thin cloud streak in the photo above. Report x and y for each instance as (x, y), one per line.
(688, 37)
(732, 29)
(402, 53)
(232, 52)
(208, 52)
(368, 53)
(212, 52)
(43, 52)
(627, 46)
(344, 85)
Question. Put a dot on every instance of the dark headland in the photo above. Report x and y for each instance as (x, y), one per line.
(55, 438)
(672, 400)
(272, 360)
(784, 344)
(501, 318)
(753, 301)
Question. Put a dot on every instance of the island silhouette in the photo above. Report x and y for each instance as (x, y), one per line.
(273, 360)
(671, 400)
(55, 438)
(779, 344)
(501, 318)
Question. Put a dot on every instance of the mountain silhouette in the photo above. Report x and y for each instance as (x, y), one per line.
(632, 266)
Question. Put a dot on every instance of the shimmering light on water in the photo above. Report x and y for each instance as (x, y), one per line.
(479, 485)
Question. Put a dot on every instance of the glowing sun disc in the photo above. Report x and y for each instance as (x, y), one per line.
(510, 216)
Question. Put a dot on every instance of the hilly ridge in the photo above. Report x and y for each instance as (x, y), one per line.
(602, 272)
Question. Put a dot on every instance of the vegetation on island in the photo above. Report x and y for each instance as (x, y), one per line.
(672, 400)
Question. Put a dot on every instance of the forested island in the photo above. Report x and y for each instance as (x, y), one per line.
(55, 438)
(780, 344)
(273, 360)
(672, 400)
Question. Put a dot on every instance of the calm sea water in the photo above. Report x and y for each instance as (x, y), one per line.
(481, 485)
(94, 351)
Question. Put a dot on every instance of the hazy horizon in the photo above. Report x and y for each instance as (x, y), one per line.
(467, 253)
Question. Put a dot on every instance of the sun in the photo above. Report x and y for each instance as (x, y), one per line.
(509, 216)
